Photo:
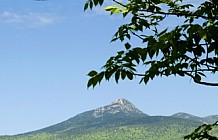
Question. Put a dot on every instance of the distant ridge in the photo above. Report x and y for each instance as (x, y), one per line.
(211, 118)
(207, 120)
(188, 117)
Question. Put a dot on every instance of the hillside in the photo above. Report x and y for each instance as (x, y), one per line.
(118, 120)
(207, 120)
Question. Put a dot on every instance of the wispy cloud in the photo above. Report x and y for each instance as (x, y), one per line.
(28, 19)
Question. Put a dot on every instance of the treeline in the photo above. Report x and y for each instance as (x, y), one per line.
(136, 132)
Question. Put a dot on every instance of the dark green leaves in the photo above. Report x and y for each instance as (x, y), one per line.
(187, 49)
(91, 3)
(92, 73)
(95, 78)
(86, 6)
(197, 78)
(203, 132)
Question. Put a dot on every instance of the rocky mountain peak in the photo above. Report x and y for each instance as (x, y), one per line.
(118, 106)
(123, 104)
(121, 101)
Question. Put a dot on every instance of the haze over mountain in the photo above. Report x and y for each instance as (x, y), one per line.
(118, 120)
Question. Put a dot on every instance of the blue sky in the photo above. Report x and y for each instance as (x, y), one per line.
(48, 47)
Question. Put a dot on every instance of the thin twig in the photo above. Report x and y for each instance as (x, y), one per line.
(172, 13)
(137, 35)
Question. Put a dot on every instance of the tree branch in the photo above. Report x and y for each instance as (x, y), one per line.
(180, 14)
(137, 35)
(201, 83)
(119, 3)
(173, 13)
(186, 72)
(138, 74)
(206, 83)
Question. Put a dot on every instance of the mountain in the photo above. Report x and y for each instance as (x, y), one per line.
(207, 120)
(211, 118)
(121, 107)
(119, 120)
(119, 112)
(189, 117)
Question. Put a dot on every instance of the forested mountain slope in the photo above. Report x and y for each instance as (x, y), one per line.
(118, 120)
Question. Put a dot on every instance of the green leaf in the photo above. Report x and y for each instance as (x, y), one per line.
(151, 53)
(90, 82)
(95, 2)
(101, 2)
(110, 8)
(123, 74)
(86, 6)
(125, 13)
(197, 78)
(163, 32)
(211, 47)
(92, 73)
(146, 79)
(95, 81)
(117, 76)
(128, 36)
(129, 75)
(108, 74)
(114, 39)
(100, 77)
(202, 74)
(167, 71)
(181, 73)
(184, 65)
(127, 46)
(91, 5)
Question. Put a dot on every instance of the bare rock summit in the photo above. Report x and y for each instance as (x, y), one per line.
(119, 106)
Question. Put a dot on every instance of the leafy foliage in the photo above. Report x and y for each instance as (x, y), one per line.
(187, 49)
(203, 132)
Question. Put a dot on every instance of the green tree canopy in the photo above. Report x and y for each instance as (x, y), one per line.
(188, 49)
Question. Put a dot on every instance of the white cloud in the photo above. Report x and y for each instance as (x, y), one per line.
(29, 19)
